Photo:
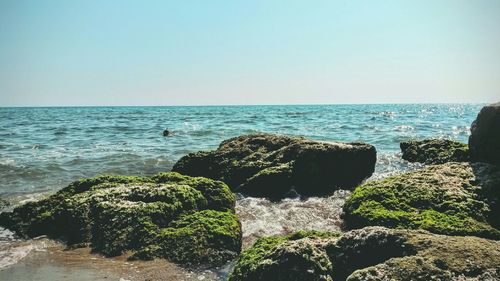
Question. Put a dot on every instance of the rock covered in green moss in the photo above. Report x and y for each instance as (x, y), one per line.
(206, 236)
(371, 253)
(268, 165)
(452, 198)
(299, 256)
(484, 141)
(144, 215)
(434, 151)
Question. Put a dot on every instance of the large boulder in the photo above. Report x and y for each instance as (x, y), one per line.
(484, 141)
(452, 198)
(266, 165)
(434, 151)
(184, 219)
(371, 253)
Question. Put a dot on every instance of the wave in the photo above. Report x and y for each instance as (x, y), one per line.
(389, 164)
(13, 249)
(404, 128)
(260, 217)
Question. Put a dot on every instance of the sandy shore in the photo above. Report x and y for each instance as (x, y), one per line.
(54, 262)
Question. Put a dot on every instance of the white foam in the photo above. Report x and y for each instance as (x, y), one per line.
(260, 217)
(389, 164)
(404, 128)
(30, 197)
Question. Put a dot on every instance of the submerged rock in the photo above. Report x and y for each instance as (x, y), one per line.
(181, 218)
(484, 141)
(451, 198)
(434, 151)
(371, 253)
(265, 165)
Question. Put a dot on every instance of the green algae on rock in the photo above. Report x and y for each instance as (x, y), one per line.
(371, 253)
(434, 151)
(208, 237)
(138, 214)
(266, 165)
(267, 259)
(452, 198)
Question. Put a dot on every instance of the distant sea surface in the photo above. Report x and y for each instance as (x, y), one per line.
(44, 149)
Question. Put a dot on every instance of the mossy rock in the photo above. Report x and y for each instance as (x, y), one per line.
(116, 214)
(266, 165)
(371, 253)
(208, 237)
(298, 256)
(484, 140)
(434, 151)
(452, 198)
(273, 182)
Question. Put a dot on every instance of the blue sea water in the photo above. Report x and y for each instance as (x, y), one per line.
(44, 149)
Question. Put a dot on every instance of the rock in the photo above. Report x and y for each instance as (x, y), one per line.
(166, 133)
(3, 203)
(371, 253)
(299, 256)
(184, 219)
(268, 165)
(434, 151)
(452, 198)
(484, 141)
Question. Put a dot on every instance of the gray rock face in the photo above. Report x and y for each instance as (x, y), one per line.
(484, 141)
(371, 253)
(266, 165)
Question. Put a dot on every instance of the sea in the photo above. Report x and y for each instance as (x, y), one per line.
(43, 149)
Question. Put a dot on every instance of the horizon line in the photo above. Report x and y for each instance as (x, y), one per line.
(229, 105)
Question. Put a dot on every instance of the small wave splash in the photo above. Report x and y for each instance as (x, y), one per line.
(389, 164)
(260, 217)
(12, 249)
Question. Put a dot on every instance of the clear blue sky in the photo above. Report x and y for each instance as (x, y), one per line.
(248, 52)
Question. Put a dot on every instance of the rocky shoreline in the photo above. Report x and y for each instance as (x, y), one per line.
(437, 223)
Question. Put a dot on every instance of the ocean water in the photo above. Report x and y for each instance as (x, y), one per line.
(44, 149)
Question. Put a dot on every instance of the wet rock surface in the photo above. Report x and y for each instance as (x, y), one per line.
(484, 141)
(452, 198)
(371, 253)
(3, 204)
(434, 151)
(184, 219)
(265, 165)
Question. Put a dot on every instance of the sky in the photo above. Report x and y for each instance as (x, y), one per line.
(82, 53)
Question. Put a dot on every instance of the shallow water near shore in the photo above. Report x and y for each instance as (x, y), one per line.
(44, 149)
